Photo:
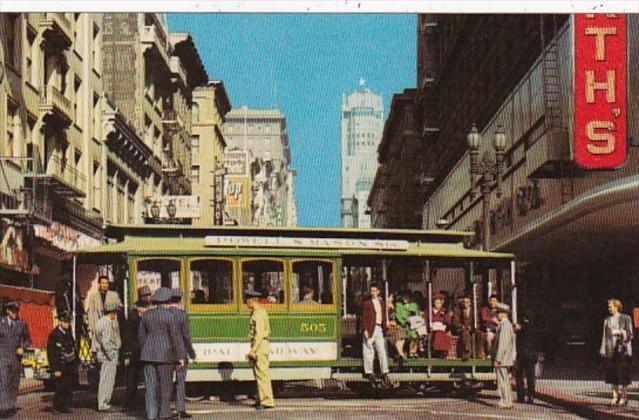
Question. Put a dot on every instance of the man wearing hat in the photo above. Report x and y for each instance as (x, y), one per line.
(131, 346)
(62, 358)
(259, 332)
(504, 355)
(14, 339)
(182, 319)
(97, 303)
(107, 347)
(161, 347)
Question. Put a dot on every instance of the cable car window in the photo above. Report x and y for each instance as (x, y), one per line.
(266, 278)
(211, 282)
(312, 282)
(156, 272)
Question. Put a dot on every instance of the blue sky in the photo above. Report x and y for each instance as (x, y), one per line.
(303, 63)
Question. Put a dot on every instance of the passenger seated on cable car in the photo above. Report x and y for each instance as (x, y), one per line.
(405, 308)
(308, 297)
(440, 327)
(464, 327)
(489, 323)
(199, 297)
(269, 295)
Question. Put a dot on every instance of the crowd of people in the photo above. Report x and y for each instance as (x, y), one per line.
(155, 343)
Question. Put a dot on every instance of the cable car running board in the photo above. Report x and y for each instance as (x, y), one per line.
(419, 377)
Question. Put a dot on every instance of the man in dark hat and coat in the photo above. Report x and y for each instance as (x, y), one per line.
(63, 359)
(161, 347)
(131, 346)
(14, 339)
(184, 329)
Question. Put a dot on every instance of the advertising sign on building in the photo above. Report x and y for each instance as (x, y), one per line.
(600, 90)
(64, 237)
(237, 192)
(236, 162)
(186, 206)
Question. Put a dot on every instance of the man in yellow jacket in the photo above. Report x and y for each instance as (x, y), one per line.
(260, 330)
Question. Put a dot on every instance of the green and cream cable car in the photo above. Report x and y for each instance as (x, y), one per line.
(312, 282)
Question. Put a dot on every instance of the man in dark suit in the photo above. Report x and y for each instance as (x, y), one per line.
(185, 334)
(14, 339)
(63, 361)
(373, 327)
(131, 346)
(161, 346)
(463, 326)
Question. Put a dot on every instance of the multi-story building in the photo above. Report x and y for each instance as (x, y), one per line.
(361, 131)
(262, 134)
(210, 105)
(397, 179)
(149, 76)
(575, 231)
(51, 106)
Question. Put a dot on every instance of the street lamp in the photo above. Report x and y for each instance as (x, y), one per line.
(488, 171)
(155, 211)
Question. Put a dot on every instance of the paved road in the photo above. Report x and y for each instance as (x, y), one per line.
(317, 406)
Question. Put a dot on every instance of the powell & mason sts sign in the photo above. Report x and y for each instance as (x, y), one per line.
(600, 90)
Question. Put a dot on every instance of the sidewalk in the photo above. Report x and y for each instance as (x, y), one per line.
(29, 385)
(577, 383)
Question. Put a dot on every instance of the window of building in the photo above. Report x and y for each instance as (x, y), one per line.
(12, 130)
(158, 272)
(11, 37)
(195, 144)
(96, 48)
(211, 282)
(30, 51)
(195, 174)
(77, 39)
(265, 277)
(97, 186)
(130, 207)
(195, 113)
(312, 282)
(78, 104)
(97, 116)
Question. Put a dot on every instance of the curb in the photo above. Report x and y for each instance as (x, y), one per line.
(577, 405)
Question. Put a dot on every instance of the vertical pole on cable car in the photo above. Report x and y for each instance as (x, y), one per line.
(429, 283)
(73, 305)
(344, 284)
(513, 290)
(385, 278)
(471, 275)
(126, 297)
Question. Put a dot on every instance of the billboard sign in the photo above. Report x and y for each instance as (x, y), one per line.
(236, 162)
(600, 90)
(186, 206)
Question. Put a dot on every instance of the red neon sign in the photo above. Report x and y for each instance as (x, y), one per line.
(600, 90)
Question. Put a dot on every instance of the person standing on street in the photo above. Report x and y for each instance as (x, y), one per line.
(108, 345)
(96, 305)
(260, 330)
(161, 346)
(14, 339)
(131, 347)
(616, 349)
(63, 361)
(527, 347)
(504, 356)
(373, 327)
(188, 351)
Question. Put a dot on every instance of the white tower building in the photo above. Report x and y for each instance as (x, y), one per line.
(361, 131)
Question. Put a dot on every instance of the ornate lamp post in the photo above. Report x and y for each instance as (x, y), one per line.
(171, 210)
(489, 172)
(155, 211)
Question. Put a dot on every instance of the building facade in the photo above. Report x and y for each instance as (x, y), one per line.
(398, 176)
(574, 231)
(210, 106)
(361, 125)
(262, 135)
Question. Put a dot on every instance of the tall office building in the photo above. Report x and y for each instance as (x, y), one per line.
(361, 130)
(258, 150)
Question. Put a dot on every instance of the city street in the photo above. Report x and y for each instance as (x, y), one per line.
(319, 406)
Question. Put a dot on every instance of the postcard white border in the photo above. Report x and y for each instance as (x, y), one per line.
(325, 6)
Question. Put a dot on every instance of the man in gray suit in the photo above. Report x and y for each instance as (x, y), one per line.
(107, 346)
(504, 356)
(185, 333)
(161, 348)
(14, 339)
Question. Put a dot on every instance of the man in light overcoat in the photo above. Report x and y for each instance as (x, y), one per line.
(14, 339)
(504, 355)
(108, 343)
(161, 348)
(96, 304)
